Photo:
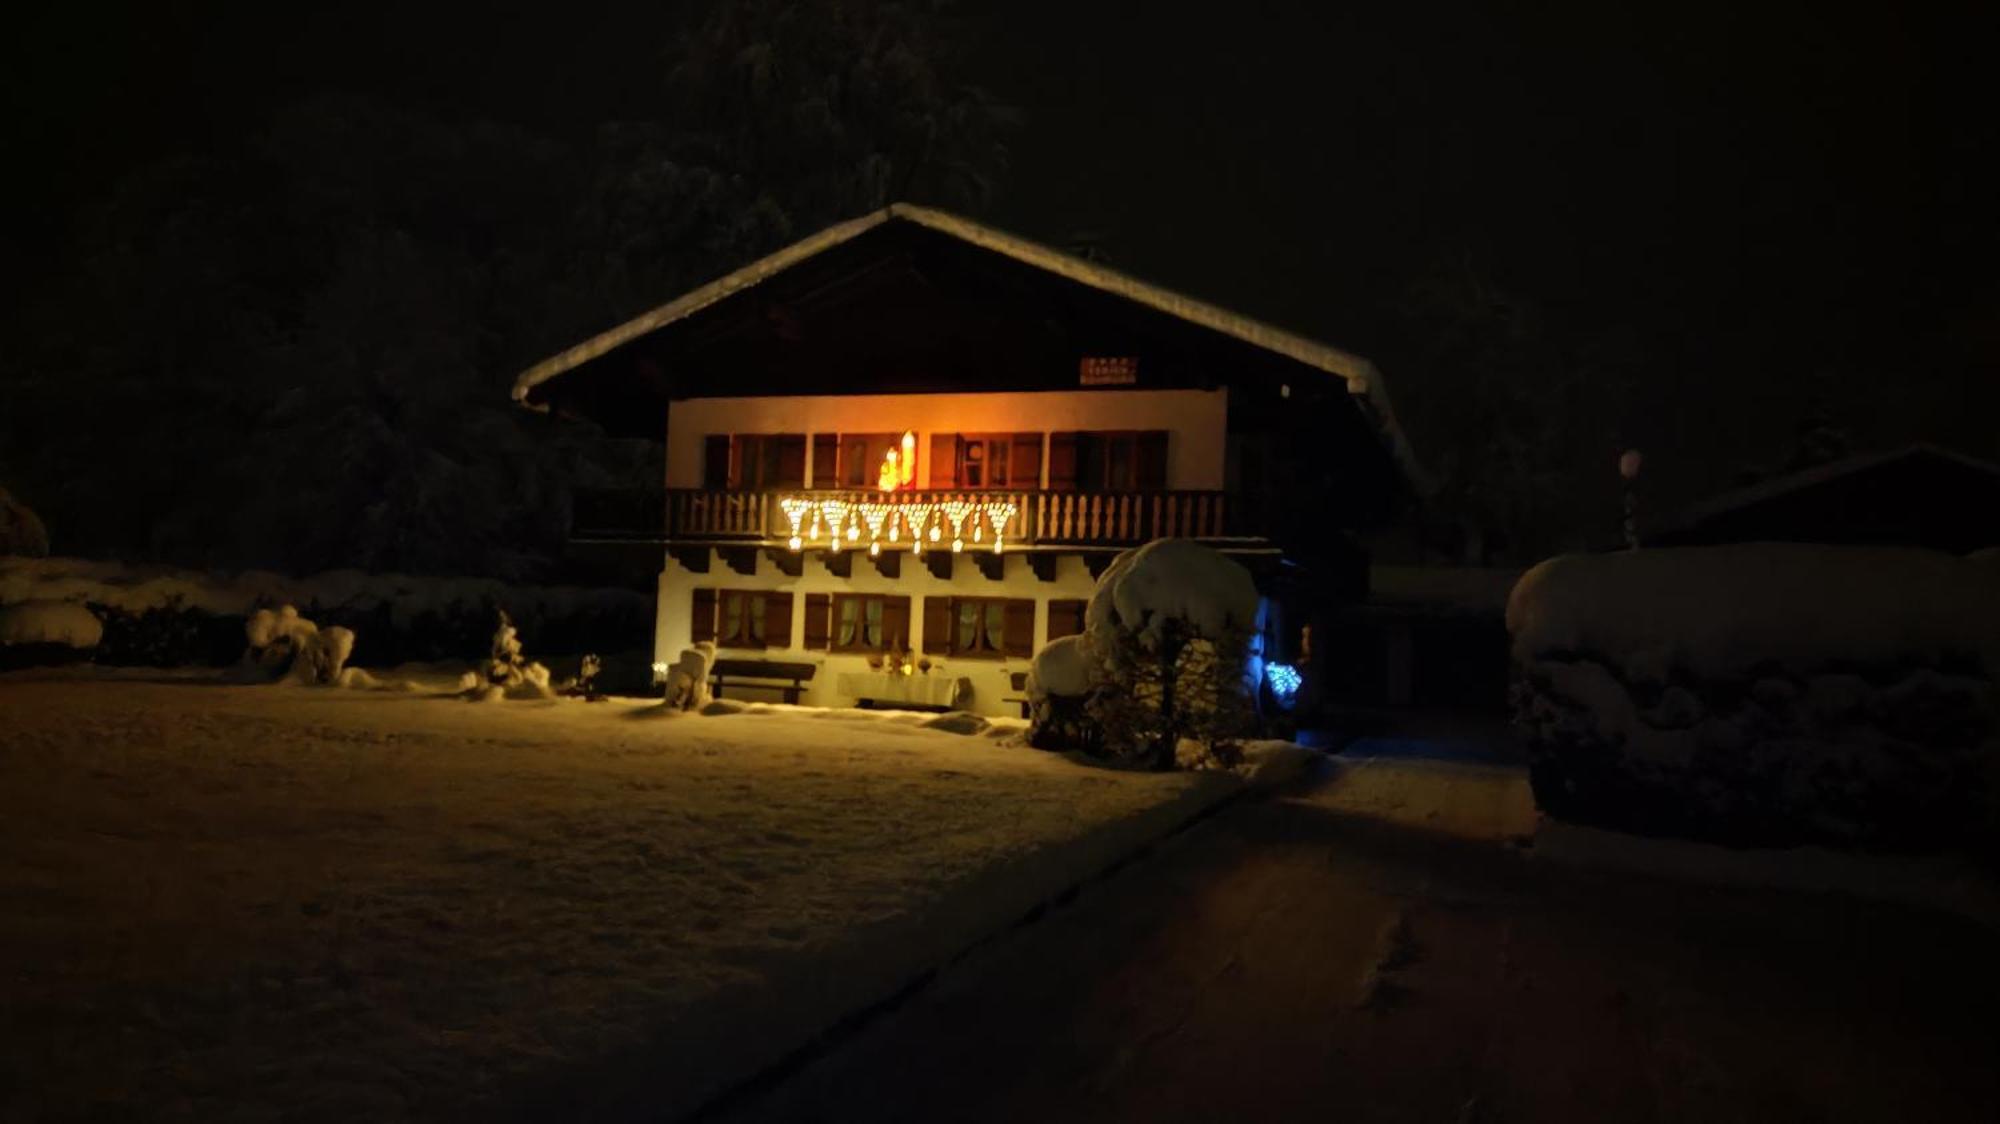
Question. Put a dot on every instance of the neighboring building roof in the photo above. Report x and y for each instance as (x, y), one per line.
(1920, 495)
(1362, 379)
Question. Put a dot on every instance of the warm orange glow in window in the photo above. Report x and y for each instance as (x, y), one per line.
(899, 467)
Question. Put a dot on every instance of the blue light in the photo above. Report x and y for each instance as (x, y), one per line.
(1284, 681)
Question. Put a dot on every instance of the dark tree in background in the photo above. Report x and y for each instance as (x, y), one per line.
(292, 347)
(1519, 413)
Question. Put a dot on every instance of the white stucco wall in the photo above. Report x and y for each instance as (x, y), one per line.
(1196, 421)
(990, 678)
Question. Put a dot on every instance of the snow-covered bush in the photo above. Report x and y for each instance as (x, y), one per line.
(1763, 694)
(21, 530)
(50, 622)
(1059, 682)
(687, 679)
(47, 632)
(1163, 658)
(507, 673)
(283, 644)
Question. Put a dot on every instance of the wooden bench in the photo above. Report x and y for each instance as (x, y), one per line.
(785, 676)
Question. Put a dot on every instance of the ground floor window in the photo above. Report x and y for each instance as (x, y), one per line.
(1065, 618)
(979, 627)
(742, 618)
(857, 622)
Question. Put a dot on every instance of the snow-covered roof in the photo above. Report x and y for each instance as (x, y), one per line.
(1362, 379)
(1806, 478)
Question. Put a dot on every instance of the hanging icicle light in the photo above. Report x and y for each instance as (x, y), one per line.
(955, 513)
(836, 513)
(919, 518)
(998, 513)
(795, 510)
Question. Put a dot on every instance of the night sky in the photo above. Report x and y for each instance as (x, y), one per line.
(1766, 198)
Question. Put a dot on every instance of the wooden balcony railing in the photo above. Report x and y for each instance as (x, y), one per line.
(1039, 518)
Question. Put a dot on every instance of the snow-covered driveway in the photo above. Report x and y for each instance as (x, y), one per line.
(224, 902)
(1382, 949)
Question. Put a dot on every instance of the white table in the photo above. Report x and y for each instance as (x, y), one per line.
(882, 688)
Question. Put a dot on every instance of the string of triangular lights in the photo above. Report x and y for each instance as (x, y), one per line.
(841, 523)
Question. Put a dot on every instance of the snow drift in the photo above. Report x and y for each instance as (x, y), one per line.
(1766, 694)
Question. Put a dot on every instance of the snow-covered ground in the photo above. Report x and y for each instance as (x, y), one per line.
(240, 902)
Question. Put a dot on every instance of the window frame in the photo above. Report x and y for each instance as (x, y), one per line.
(986, 644)
(889, 643)
(753, 609)
(994, 449)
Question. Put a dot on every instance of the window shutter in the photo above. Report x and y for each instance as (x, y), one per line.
(703, 614)
(826, 460)
(819, 614)
(1025, 461)
(777, 620)
(1018, 637)
(895, 623)
(740, 452)
(1062, 462)
(791, 462)
(715, 461)
(937, 625)
(1151, 474)
(944, 460)
(1065, 618)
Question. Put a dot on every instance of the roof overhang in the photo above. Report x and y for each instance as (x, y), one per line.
(1360, 377)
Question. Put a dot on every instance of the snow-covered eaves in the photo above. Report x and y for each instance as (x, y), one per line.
(1363, 381)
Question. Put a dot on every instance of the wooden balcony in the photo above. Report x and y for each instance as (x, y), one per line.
(1038, 518)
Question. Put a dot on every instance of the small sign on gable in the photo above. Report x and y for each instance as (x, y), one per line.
(1114, 370)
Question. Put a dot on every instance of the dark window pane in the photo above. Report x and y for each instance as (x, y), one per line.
(1118, 472)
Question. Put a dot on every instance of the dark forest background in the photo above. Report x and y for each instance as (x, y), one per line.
(273, 271)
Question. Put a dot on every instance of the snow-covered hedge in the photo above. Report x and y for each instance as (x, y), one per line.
(46, 632)
(1764, 694)
(160, 616)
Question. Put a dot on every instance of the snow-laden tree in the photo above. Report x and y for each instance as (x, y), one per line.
(1165, 651)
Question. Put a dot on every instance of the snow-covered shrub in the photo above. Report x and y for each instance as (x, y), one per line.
(21, 530)
(1764, 694)
(1163, 658)
(687, 679)
(281, 644)
(40, 633)
(506, 672)
(50, 622)
(584, 684)
(1059, 682)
